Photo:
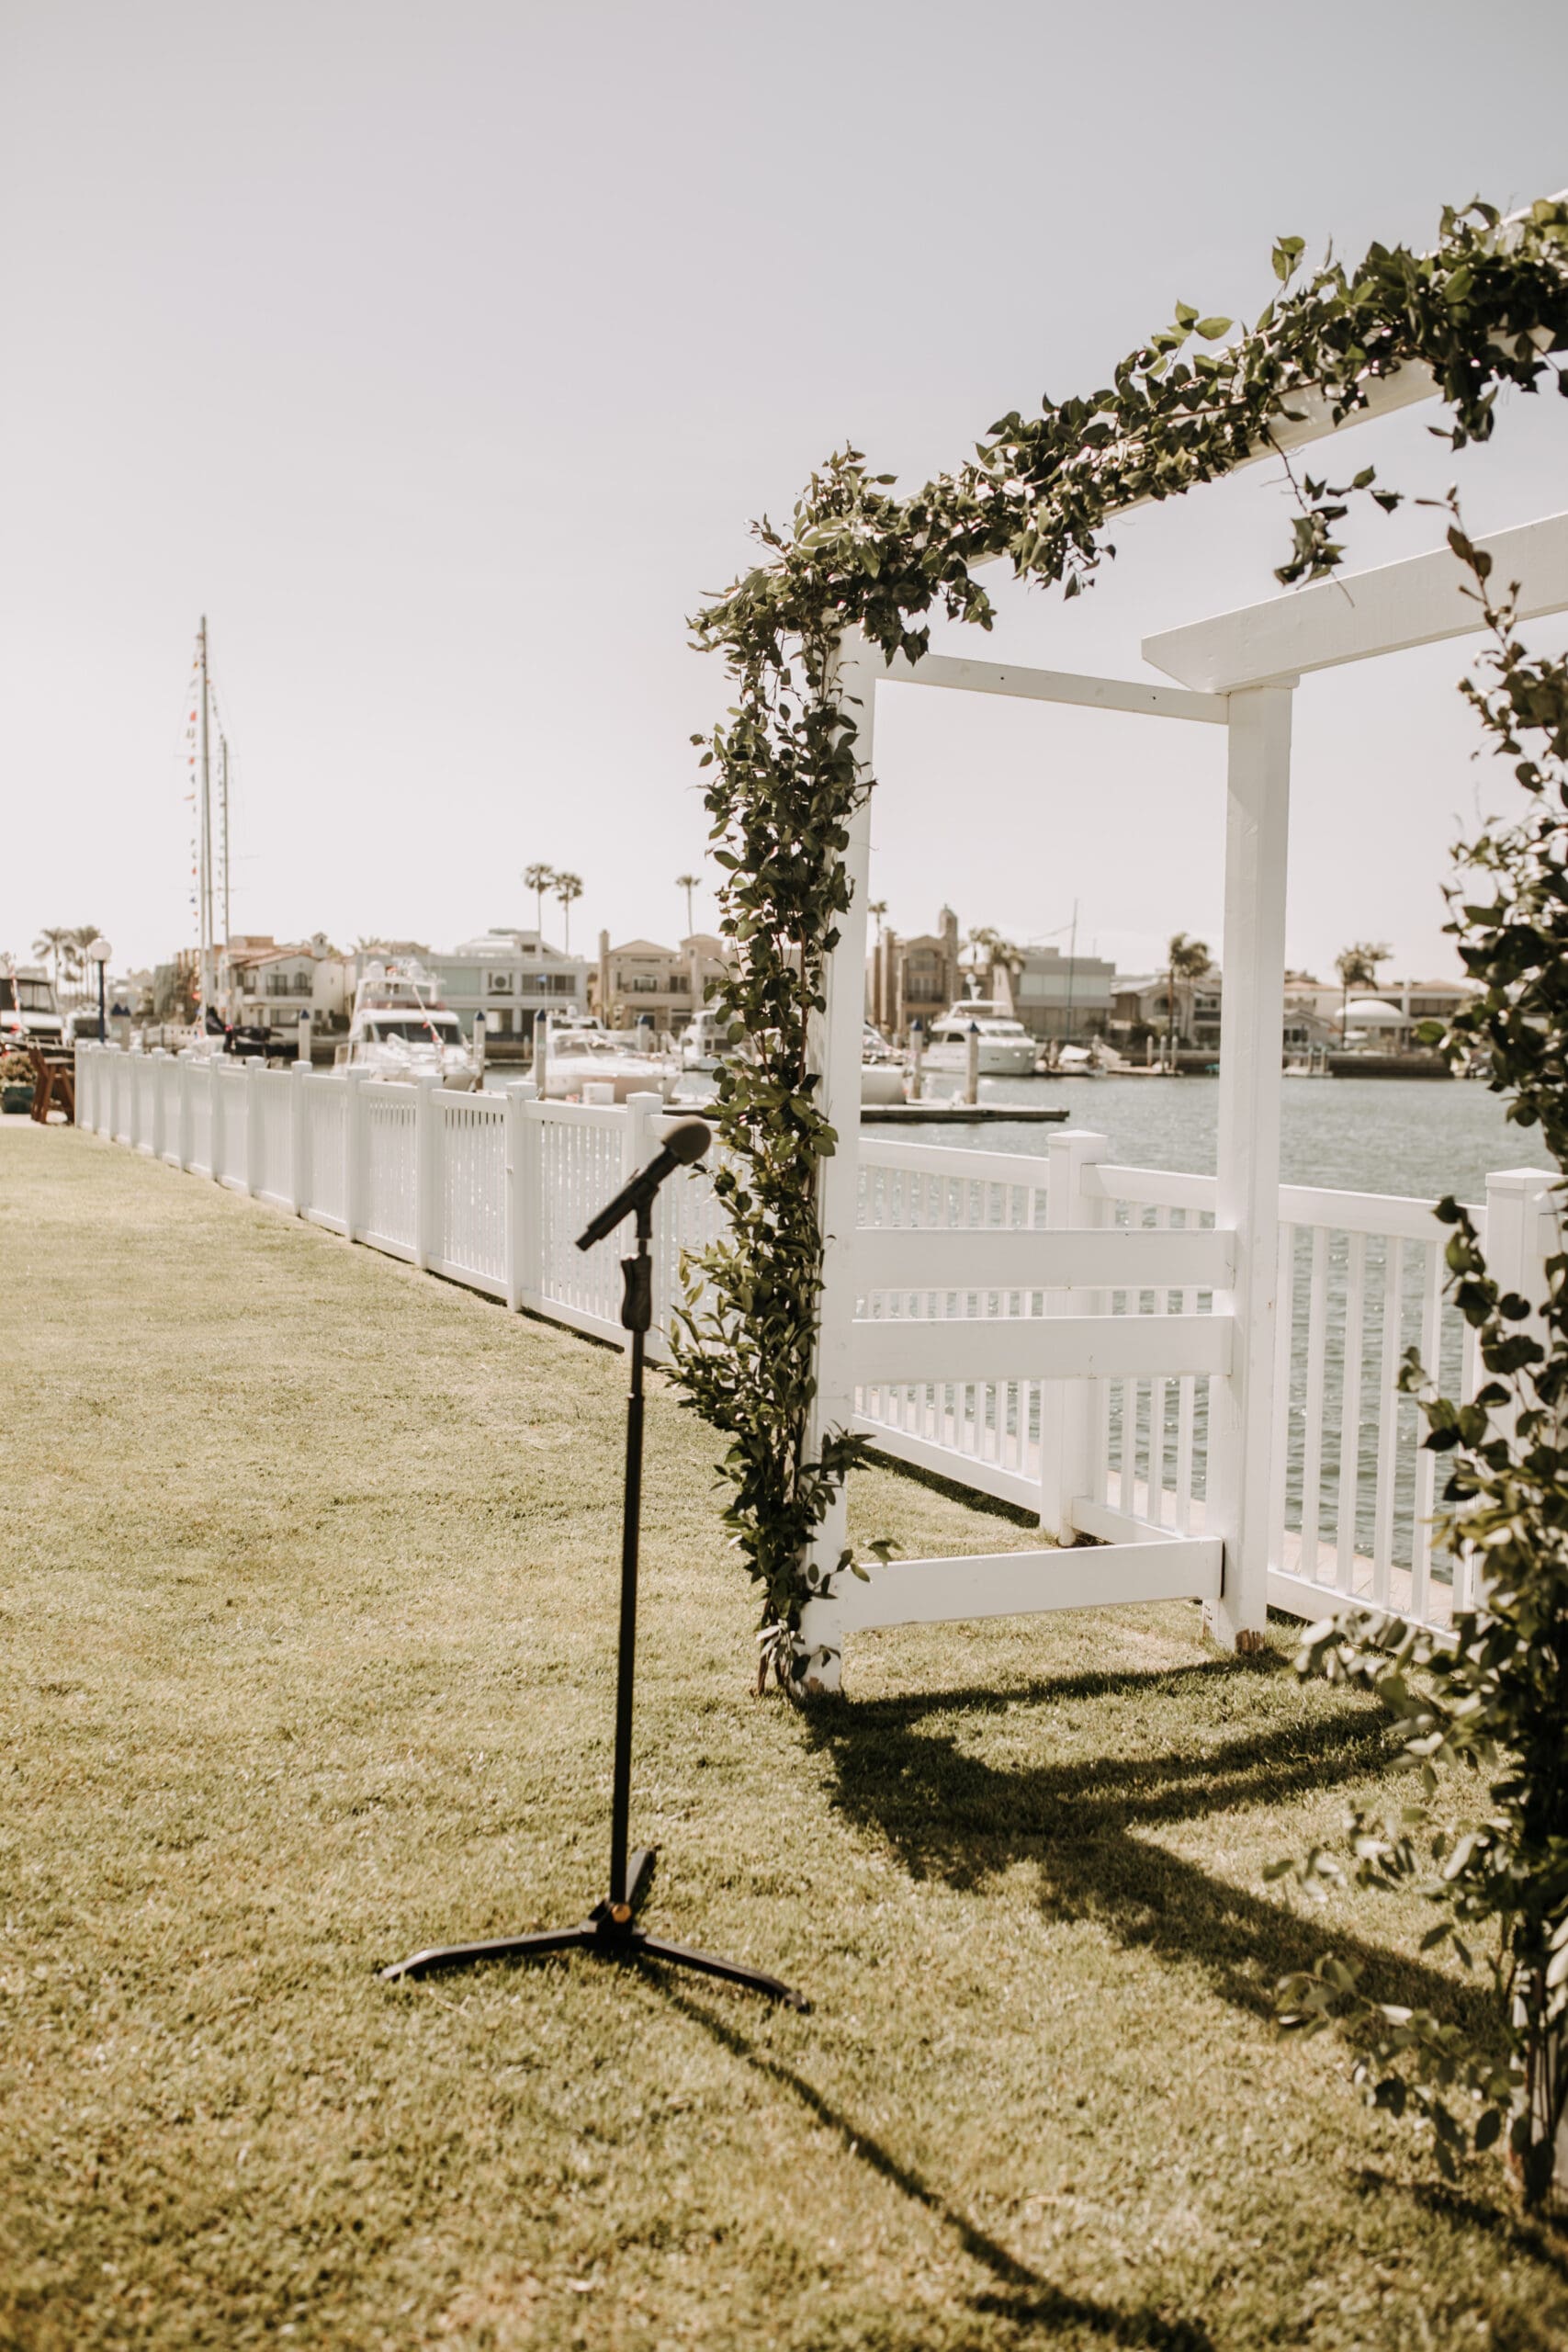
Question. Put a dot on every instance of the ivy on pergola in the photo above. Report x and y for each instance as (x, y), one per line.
(1488, 307)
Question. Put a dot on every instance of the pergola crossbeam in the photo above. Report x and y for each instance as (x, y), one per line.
(1360, 615)
(1145, 701)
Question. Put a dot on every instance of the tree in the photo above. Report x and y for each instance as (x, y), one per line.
(877, 908)
(688, 882)
(1185, 959)
(77, 943)
(49, 945)
(538, 878)
(569, 887)
(1357, 968)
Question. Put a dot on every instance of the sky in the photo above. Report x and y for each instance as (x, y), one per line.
(441, 355)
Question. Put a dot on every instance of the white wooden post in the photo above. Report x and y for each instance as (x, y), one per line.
(299, 1136)
(255, 1127)
(353, 1138)
(214, 1068)
(1517, 1200)
(303, 1037)
(531, 1196)
(158, 1060)
(429, 1135)
(187, 1149)
(479, 1048)
(836, 1052)
(519, 1136)
(1241, 1441)
(1067, 1407)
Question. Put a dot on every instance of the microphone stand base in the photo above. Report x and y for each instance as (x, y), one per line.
(610, 1932)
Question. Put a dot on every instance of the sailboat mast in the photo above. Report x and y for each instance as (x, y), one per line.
(223, 823)
(206, 879)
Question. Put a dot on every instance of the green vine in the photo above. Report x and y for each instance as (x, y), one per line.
(1488, 307)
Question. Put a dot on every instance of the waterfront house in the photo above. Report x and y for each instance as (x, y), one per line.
(510, 977)
(269, 985)
(665, 984)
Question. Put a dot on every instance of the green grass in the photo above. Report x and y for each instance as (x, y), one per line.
(307, 1625)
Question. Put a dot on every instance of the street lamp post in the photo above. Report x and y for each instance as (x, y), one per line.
(99, 953)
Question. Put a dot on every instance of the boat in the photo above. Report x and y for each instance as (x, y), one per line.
(1077, 1061)
(703, 1040)
(1006, 1049)
(585, 1055)
(881, 1069)
(28, 1013)
(401, 1029)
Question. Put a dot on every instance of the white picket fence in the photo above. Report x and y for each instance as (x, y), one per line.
(491, 1189)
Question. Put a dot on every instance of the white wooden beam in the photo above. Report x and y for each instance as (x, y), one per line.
(1011, 1258)
(1145, 701)
(1357, 616)
(1027, 1584)
(1241, 1413)
(892, 1349)
(836, 1051)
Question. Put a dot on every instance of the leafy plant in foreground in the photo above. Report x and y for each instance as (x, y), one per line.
(1490, 1697)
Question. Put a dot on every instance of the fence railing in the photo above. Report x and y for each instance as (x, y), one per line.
(490, 1189)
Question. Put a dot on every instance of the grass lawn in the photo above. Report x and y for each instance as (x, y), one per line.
(309, 1624)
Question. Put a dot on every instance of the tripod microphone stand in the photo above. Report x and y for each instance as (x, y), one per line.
(611, 1929)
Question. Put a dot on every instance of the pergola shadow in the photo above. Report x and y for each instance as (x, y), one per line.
(903, 1778)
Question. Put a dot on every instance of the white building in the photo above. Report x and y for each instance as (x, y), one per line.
(510, 977)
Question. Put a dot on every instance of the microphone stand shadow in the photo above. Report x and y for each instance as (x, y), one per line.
(611, 1930)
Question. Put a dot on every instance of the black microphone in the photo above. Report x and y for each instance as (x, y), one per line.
(682, 1146)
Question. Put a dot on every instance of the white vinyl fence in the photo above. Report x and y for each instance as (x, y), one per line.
(490, 1189)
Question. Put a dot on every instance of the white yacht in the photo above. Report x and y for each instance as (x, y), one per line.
(703, 1041)
(401, 1029)
(881, 1069)
(583, 1055)
(1006, 1049)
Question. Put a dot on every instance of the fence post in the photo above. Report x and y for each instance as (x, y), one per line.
(1066, 1407)
(255, 1127)
(428, 1139)
(522, 1153)
(185, 1148)
(299, 1137)
(1517, 1201)
(354, 1127)
(215, 1116)
(158, 1058)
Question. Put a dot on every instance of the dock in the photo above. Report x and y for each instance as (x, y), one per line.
(961, 1114)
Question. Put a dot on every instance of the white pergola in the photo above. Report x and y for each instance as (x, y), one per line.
(1240, 672)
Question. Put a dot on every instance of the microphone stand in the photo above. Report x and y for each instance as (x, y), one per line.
(611, 1929)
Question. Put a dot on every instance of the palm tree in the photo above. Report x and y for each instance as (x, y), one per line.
(568, 887)
(77, 943)
(47, 945)
(877, 907)
(1357, 968)
(689, 882)
(1185, 959)
(538, 878)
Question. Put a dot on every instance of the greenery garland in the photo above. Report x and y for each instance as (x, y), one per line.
(1488, 307)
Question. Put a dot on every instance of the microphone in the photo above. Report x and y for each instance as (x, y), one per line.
(683, 1146)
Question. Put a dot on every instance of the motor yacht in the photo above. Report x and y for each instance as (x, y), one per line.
(1006, 1049)
(577, 1057)
(401, 1029)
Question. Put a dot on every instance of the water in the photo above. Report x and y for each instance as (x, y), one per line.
(1413, 1137)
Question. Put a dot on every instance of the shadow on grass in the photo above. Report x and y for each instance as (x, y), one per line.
(959, 1817)
(1021, 2296)
(1511, 2233)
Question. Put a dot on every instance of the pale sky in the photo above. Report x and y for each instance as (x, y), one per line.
(440, 354)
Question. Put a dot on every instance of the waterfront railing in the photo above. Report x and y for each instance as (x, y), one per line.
(490, 1189)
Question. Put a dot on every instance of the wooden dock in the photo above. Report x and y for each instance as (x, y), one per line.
(961, 1114)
